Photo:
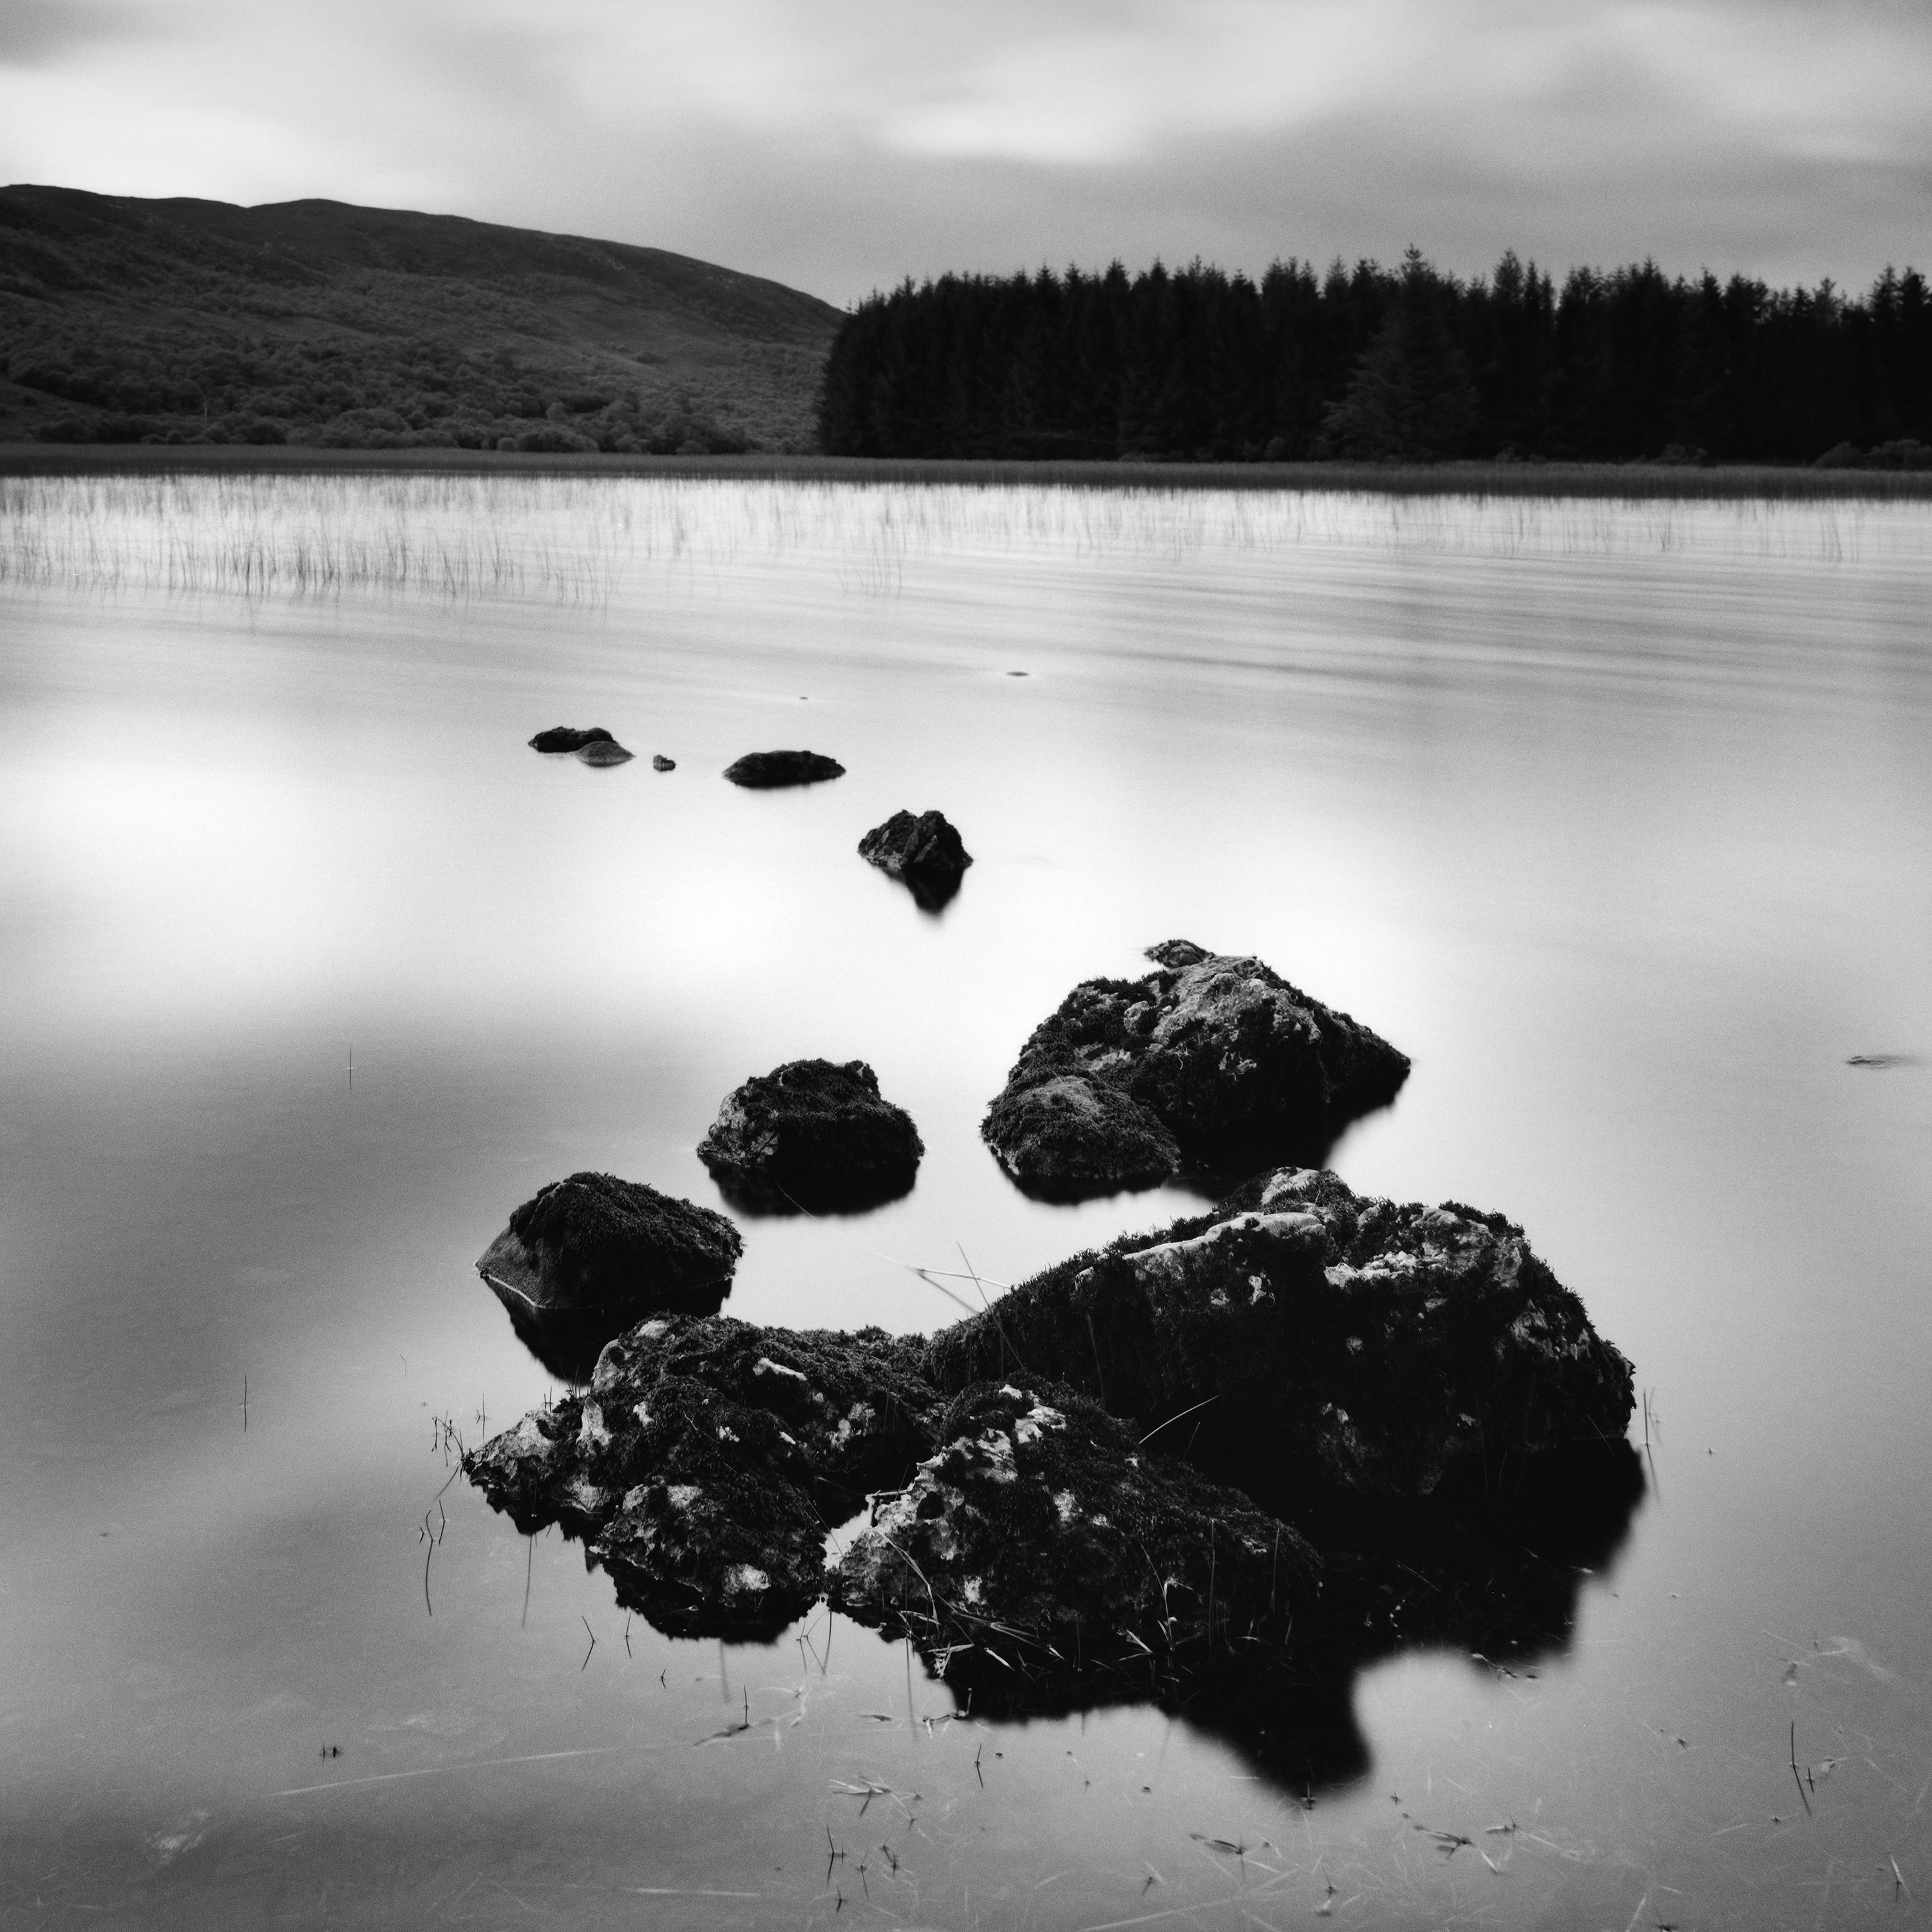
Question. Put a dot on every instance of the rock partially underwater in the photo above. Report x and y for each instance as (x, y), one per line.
(593, 1243)
(1115, 1482)
(705, 1460)
(923, 851)
(812, 1134)
(603, 751)
(659, 763)
(1216, 1057)
(763, 771)
(570, 738)
(1319, 1343)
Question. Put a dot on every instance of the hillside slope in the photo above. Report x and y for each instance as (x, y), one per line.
(314, 322)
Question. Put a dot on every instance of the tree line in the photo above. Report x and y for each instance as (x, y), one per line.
(1406, 365)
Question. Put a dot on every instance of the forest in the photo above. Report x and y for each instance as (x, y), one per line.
(1407, 364)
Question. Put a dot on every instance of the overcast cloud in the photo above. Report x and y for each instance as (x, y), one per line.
(841, 144)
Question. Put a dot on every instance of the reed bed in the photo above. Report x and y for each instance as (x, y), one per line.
(593, 539)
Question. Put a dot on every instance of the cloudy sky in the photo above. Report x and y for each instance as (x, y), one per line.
(841, 144)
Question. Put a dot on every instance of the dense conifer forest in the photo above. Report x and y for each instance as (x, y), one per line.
(1407, 364)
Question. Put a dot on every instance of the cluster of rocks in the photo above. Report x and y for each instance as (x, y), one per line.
(1298, 1344)
(1213, 1060)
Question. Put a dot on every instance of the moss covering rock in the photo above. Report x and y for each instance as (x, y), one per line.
(813, 1133)
(1217, 1052)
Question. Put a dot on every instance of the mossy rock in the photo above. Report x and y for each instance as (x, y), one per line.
(811, 1134)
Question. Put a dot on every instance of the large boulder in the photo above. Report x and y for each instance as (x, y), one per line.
(704, 1462)
(1305, 1341)
(1219, 1052)
(570, 738)
(595, 1242)
(924, 851)
(810, 1134)
(1042, 1533)
(762, 771)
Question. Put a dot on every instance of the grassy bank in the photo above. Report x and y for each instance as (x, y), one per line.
(1606, 480)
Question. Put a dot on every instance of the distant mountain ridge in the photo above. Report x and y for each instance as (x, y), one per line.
(317, 322)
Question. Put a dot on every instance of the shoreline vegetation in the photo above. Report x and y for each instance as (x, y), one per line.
(1646, 481)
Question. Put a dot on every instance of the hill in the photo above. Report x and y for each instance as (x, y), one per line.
(314, 322)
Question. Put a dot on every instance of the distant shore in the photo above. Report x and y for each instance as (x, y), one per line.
(1651, 481)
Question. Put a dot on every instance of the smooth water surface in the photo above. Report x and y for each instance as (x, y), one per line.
(1617, 819)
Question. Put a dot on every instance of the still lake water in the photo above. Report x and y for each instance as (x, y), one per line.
(1618, 818)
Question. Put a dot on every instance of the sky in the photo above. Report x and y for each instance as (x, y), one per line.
(840, 145)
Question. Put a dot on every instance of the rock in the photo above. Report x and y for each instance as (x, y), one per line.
(763, 770)
(1071, 1135)
(1324, 1343)
(813, 1134)
(1236, 1064)
(925, 852)
(595, 1242)
(1040, 1532)
(603, 751)
(569, 738)
(704, 1460)
(659, 763)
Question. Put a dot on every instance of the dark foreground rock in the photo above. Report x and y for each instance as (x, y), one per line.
(1215, 1054)
(1040, 1532)
(1308, 1341)
(595, 1242)
(705, 1460)
(763, 771)
(924, 851)
(1115, 1483)
(570, 738)
(810, 1134)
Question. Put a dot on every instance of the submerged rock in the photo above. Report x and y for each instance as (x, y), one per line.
(603, 751)
(1322, 1342)
(1220, 1052)
(570, 738)
(925, 852)
(659, 763)
(704, 1462)
(595, 1242)
(763, 770)
(813, 1133)
(1040, 1532)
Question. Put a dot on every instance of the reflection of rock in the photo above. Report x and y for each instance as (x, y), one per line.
(659, 763)
(925, 852)
(1070, 1135)
(593, 1241)
(704, 1462)
(569, 738)
(1220, 1052)
(1329, 1342)
(1038, 1530)
(763, 770)
(814, 1134)
(603, 751)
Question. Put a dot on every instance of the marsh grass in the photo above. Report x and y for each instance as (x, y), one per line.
(592, 539)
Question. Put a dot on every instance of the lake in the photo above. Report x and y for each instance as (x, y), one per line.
(1615, 817)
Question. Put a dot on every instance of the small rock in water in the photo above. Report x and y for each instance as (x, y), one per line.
(603, 751)
(924, 850)
(594, 1241)
(763, 771)
(810, 1134)
(1879, 1062)
(659, 763)
(569, 738)
(1218, 1052)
